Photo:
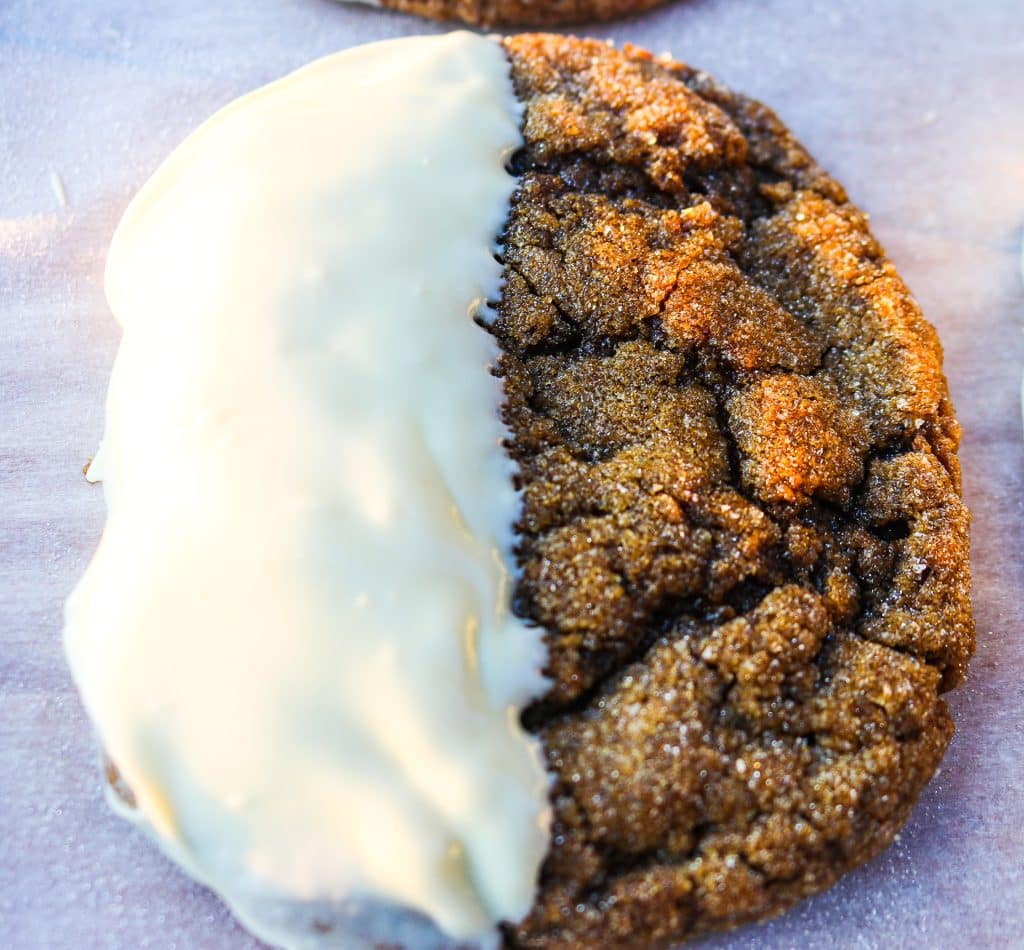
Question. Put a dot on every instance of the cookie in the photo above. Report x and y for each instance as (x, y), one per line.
(522, 12)
(561, 494)
(742, 527)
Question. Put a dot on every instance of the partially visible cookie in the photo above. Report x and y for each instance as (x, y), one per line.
(522, 12)
(742, 529)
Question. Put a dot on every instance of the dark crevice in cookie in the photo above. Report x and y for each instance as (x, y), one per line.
(583, 173)
(544, 711)
(741, 599)
(890, 531)
(893, 448)
(654, 330)
(733, 453)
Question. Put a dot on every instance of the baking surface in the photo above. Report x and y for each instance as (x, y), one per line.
(916, 106)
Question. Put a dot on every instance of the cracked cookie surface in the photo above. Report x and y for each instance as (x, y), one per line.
(742, 529)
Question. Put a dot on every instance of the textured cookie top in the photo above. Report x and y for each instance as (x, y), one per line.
(742, 528)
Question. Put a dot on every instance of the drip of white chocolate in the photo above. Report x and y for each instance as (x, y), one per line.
(295, 639)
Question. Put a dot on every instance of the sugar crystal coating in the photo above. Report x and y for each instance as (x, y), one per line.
(742, 528)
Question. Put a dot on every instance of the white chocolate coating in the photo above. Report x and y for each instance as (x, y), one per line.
(295, 639)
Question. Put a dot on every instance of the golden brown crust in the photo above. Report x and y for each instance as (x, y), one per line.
(522, 12)
(742, 529)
